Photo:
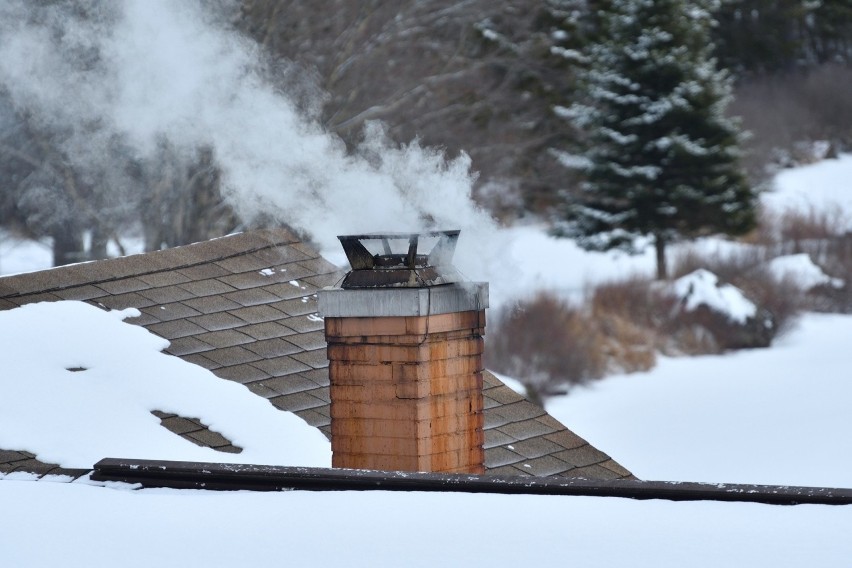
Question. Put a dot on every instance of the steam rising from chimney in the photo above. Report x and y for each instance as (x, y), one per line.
(144, 71)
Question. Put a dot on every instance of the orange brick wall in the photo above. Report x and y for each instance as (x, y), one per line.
(406, 392)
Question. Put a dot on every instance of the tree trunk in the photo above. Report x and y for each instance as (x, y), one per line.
(68, 246)
(98, 247)
(662, 267)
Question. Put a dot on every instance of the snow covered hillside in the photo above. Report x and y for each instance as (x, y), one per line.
(773, 416)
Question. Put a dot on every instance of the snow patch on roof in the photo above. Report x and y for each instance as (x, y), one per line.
(79, 384)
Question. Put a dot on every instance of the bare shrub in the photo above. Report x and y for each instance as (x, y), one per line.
(837, 264)
(546, 344)
(637, 298)
(781, 300)
(766, 233)
(629, 314)
(729, 267)
(639, 317)
(626, 347)
(810, 231)
(822, 234)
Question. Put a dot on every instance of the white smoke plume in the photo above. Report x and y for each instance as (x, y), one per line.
(144, 71)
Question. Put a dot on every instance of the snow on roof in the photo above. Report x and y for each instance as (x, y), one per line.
(99, 379)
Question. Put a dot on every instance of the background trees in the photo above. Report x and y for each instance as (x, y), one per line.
(83, 205)
(771, 36)
(477, 76)
(66, 173)
(490, 78)
(661, 158)
(46, 193)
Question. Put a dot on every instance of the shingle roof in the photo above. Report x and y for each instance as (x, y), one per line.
(244, 307)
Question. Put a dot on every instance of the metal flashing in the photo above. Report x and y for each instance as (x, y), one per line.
(403, 302)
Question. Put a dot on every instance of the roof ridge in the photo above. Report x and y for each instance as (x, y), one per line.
(112, 269)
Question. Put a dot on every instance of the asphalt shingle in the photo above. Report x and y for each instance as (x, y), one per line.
(583, 456)
(288, 384)
(182, 346)
(168, 278)
(195, 431)
(266, 330)
(126, 300)
(169, 312)
(544, 465)
(80, 293)
(176, 328)
(211, 304)
(207, 287)
(305, 324)
(252, 297)
(231, 356)
(280, 366)
(261, 314)
(224, 338)
(494, 437)
(275, 347)
(244, 373)
(123, 286)
(219, 322)
(501, 455)
(536, 447)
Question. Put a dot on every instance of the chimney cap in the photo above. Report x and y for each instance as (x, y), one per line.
(399, 259)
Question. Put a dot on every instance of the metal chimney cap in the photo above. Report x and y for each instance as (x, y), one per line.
(398, 259)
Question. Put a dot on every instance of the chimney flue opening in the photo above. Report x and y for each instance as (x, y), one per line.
(400, 260)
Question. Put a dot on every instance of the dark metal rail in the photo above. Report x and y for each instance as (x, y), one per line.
(221, 476)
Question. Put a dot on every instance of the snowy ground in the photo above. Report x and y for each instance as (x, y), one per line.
(53, 524)
(773, 416)
(21, 255)
(766, 416)
(777, 416)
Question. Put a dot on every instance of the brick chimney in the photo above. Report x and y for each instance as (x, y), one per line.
(405, 346)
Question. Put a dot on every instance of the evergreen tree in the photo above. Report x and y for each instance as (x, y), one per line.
(662, 160)
(768, 36)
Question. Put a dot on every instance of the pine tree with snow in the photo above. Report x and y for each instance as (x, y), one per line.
(661, 160)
